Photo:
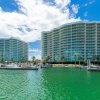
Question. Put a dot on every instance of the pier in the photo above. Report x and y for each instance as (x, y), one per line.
(19, 68)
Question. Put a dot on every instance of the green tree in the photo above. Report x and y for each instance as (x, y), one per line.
(94, 58)
(47, 59)
(62, 58)
(80, 57)
(34, 59)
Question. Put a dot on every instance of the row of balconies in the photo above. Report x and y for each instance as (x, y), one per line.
(68, 36)
(65, 41)
(92, 27)
(90, 36)
(72, 50)
(92, 40)
(78, 31)
(80, 28)
(65, 38)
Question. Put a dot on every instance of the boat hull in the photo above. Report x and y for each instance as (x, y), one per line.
(93, 69)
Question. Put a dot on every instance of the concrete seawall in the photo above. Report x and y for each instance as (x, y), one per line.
(65, 65)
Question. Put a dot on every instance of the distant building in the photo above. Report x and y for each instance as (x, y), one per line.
(13, 50)
(72, 42)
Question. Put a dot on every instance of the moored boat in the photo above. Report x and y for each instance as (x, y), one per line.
(92, 67)
(15, 67)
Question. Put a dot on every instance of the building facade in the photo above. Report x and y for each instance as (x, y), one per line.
(13, 50)
(72, 42)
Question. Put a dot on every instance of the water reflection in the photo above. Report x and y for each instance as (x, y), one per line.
(49, 84)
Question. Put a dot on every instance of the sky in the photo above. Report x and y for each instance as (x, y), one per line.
(26, 19)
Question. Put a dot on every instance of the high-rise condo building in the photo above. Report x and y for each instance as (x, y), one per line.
(13, 50)
(72, 42)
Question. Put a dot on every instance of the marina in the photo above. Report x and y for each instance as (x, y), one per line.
(49, 50)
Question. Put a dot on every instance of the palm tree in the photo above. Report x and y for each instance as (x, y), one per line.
(34, 59)
(62, 58)
(80, 57)
(94, 58)
(47, 58)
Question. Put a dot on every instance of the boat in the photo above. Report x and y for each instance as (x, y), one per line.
(46, 65)
(92, 67)
(15, 67)
(9, 65)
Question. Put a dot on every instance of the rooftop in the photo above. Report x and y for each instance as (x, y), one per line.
(8, 38)
(71, 24)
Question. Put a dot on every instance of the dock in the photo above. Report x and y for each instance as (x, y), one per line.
(8, 68)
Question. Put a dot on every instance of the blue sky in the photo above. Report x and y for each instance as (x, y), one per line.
(91, 7)
(26, 19)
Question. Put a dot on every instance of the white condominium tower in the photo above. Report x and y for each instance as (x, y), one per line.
(72, 42)
(13, 50)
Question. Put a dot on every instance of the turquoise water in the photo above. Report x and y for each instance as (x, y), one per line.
(50, 84)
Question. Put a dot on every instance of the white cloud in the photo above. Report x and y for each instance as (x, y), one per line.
(34, 52)
(34, 17)
(62, 3)
(75, 8)
(89, 3)
(37, 57)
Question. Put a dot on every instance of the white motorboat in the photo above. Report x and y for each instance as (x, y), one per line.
(9, 65)
(92, 67)
(15, 67)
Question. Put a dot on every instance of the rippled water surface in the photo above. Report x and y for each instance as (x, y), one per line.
(49, 84)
